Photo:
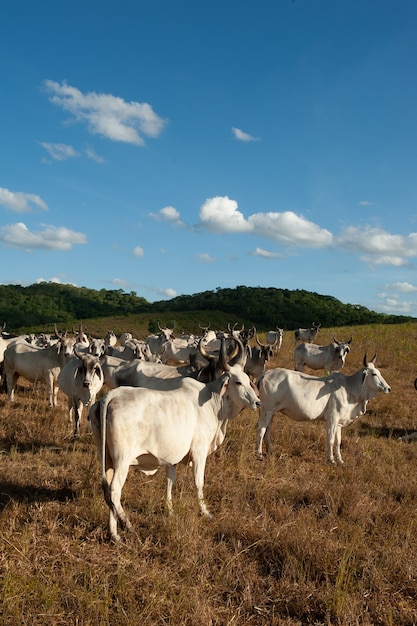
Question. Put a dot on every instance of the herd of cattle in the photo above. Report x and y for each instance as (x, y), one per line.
(170, 398)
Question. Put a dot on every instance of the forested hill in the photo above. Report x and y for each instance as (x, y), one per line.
(47, 303)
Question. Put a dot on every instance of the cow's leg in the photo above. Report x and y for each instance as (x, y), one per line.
(263, 432)
(171, 475)
(116, 510)
(338, 441)
(331, 428)
(78, 409)
(11, 380)
(70, 411)
(199, 466)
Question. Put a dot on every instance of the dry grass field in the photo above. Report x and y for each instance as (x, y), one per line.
(293, 541)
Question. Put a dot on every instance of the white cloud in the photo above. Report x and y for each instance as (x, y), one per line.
(166, 293)
(290, 229)
(120, 283)
(106, 115)
(220, 215)
(50, 238)
(365, 203)
(60, 151)
(138, 251)
(20, 202)
(242, 136)
(386, 259)
(205, 258)
(91, 154)
(378, 246)
(401, 287)
(266, 254)
(168, 214)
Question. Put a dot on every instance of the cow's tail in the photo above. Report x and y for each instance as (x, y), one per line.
(103, 421)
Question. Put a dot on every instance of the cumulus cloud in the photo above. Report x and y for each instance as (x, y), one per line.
(266, 254)
(166, 293)
(401, 287)
(291, 229)
(107, 115)
(220, 215)
(365, 203)
(242, 136)
(60, 151)
(50, 238)
(378, 246)
(168, 214)
(20, 202)
(138, 251)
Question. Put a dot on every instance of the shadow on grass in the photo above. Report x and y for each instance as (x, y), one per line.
(366, 429)
(11, 492)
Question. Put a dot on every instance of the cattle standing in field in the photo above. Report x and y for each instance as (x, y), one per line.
(33, 364)
(274, 338)
(329, 358)
(150, 429)
(307, 334)
(337, 399)
(80, 380)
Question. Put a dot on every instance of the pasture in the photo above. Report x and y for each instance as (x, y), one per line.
(294, 541)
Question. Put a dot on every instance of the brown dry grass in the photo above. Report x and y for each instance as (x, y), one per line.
(293, 542)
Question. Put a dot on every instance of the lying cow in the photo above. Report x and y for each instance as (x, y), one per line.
(151, 428)
(329, 358)
(337, 399)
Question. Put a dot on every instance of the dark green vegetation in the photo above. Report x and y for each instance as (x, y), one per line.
(46, 303)
(293, 541)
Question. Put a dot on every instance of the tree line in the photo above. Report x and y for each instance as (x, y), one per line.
(48, 303)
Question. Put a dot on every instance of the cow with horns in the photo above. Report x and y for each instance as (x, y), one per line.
(307, 334)
(337, 399)
(150, 428)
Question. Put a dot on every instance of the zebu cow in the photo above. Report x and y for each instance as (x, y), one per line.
(330, 358)
(33, 363)
(256, 358)
(337, 399)
(151, 429)
(307, 334)
(80, 379)
(274, 338)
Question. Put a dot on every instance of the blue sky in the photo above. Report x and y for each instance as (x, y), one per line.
(173, 147)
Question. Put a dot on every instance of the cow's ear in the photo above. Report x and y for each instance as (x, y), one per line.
(364, 375)
(76, 371)
(225, 382)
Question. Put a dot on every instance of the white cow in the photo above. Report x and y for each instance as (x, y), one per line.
(274, 338)
(307, 334)
(151, 429)
(81, 378)
(34, 363)
(330, 358)
(337, 399)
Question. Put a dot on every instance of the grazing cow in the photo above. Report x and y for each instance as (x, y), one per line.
(329, 358)
(81, 378)
(151, 429)
(274, 338)
(337, 399)
(307, 334)
(34, 363)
